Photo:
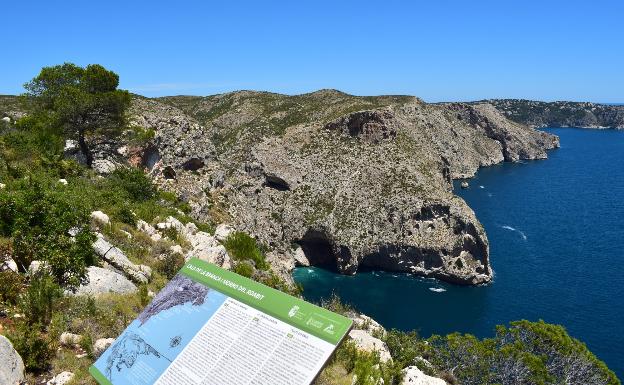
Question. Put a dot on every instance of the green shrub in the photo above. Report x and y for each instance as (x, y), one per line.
(39, 299)
(125, 215)
(244, 268)
(170, 264)
(134, 182)
(11, 284)
(32, 345)
(143, 294)
(243, 247)
(41, 220)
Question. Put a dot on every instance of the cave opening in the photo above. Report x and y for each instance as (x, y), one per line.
(318, 249)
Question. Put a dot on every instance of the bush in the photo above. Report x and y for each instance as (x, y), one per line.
(11, 284)
(32, 345)
(243, 247)
(134, 182)
(170, 264)
(41, 221)
(244, 268)
(39, 299)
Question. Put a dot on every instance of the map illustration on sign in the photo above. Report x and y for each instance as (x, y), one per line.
(210, 326)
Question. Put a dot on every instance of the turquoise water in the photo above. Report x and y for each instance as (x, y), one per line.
(556, 231)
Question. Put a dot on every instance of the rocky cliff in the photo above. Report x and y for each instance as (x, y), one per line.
(336, 180)
(561, 114)
(327, 178)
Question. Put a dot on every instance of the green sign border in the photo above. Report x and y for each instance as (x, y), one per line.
(319, 322)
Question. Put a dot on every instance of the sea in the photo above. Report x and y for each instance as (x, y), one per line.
(556, 232)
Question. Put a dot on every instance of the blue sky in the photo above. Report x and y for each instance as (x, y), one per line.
(440, 50)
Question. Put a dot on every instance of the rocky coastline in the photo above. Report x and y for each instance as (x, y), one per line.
(329, 179)
(561, 114)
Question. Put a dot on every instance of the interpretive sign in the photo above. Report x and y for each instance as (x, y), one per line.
(210, 326)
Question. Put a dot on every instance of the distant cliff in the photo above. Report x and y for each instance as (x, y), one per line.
(560, 114)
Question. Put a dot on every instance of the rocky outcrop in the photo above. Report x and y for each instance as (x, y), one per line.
(12, 366)
(413, 376)
(366, 342)
(116, 257)
(61, 378)
(561, 114)
(103, 281)
(334, 180)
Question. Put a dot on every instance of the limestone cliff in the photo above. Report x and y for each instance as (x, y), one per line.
(346, 181)
(561, 114)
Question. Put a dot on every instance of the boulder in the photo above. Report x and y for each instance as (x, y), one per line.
(116, 257)
(366, 323)
(61, 378)
(6, 119)
(101, 345)
(464, 184)
(2, 186)
(103, 281)
(11, 364)
(63, 181)
(176, 249)
(8, 264)
(171, 222)
(413, 376)
(100, 217)
(69, 339)
(212, 254)
(37, 267)
(149, 230)
(223, 231)
(366, 342)
(103, 166)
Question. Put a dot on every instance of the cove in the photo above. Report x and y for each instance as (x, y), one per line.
(556, 232)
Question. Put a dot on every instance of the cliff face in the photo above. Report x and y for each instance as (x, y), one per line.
(328, 178)
(561, 114)
(336, 180)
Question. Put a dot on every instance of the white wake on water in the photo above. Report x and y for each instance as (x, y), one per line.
(524, 237)
(437, 289)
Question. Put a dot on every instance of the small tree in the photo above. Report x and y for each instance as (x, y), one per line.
(80, 100)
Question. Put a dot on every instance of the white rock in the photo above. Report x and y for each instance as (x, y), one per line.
(103, 166)
(9, 264)
(366, 342)
(176, 249)
(70, 145)
(223, 231)
(123, 150)
(149, 230)
(214, 254)
(189, 230)
(103, 281)
(69, 339)
(118, 259)
(101, 345)
(61, 378)
(11, 364)
(101, 217)
(6, 119)
(413, 376)
(127, 234)
(63, 181)
(300, 258)
(364, 322)
(2, 186)
(175, 223)
(37, 267)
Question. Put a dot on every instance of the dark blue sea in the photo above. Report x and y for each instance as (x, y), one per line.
(556, 231)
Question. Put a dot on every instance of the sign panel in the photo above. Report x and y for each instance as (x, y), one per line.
(210, 326)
